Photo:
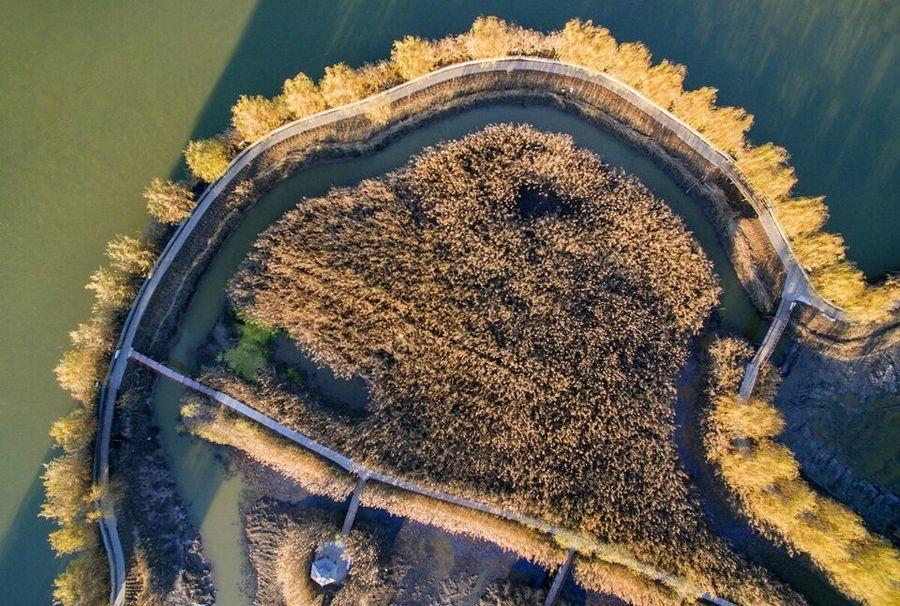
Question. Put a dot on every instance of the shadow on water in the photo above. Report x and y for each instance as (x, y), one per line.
(18, 545)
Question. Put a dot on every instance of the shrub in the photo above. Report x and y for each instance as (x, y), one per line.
(253, 117)
(251, 353)
(208, 159)
(168, 202)
(309, 471)
(379, 112)
(413, 57)
(301, 97)
(622, 582)
(753, 420)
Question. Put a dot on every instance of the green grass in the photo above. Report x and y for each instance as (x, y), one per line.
(252, 352)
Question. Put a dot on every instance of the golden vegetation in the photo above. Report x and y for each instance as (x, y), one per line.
(254, 116)
(208, 158)
(301, 97)
(765, 167)
(168, 202)
(606, 577)
(71, 498)
(536, 303)
(84, 581)
(308, 470)
(765, 477)
(413, 57)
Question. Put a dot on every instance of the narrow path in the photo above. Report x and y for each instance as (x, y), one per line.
(585, 544)
(118, 364)
(560, 578)
(773, 335)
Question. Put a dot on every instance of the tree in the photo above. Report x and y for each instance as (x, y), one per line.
(129, 255)
(341, 85)
(95, 334)
(489, 37)
(168, 202)
(84, 582)
(73, 537)
(112, 289)
(799, 216)
(253, 117)
(208, 158)
(819, 249)
(75, 431)
(664, 83)
(583, 43)
(632, 63)
(67, 484)
(413, 57)
(301, 97)
(767, 170)
(77, 371)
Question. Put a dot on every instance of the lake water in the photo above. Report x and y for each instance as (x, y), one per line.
(98, 98)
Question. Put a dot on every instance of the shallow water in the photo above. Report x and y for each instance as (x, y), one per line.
(98, 97)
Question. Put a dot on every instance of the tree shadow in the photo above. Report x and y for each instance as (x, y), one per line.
(18, 546)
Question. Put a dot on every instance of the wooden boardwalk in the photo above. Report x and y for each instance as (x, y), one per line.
(565, 536)
(211, 195)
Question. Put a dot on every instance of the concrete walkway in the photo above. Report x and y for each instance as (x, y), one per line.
(118, 364)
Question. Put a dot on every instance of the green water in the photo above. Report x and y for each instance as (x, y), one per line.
(97, 98)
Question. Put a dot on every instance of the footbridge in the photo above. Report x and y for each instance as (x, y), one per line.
(212, 194)
(577, 541)
(791, 293)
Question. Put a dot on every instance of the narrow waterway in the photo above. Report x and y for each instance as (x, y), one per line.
(213, 496)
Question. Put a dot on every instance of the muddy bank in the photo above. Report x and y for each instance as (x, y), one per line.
(167, 565)
(843, 420)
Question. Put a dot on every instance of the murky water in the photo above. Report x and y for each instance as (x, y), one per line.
(98, 97)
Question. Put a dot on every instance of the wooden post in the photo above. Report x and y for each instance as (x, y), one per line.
(354, 505)
(560, 578)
